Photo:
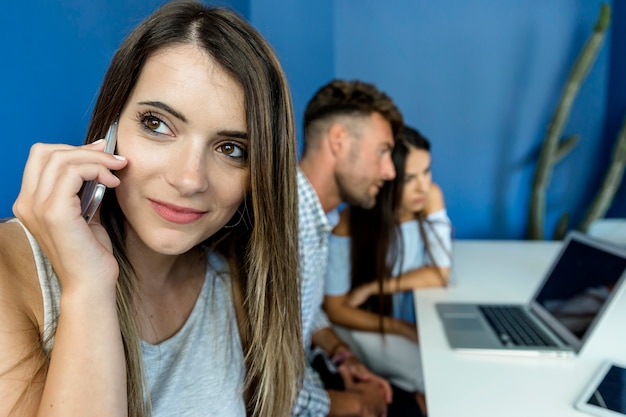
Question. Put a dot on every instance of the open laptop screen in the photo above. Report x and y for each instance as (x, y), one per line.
(580, 284)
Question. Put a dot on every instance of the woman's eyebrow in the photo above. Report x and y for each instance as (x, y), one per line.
(233, 134)
(179, 115)
(163, 106)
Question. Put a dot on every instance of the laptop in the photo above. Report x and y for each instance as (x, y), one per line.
(560, 317)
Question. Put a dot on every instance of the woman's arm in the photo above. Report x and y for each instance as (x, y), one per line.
(338, 283)
(86, 373)
(342, 314)
(82, 374)
(20, 323)
(424, 277)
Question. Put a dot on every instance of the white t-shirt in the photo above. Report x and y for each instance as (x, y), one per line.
(200, 370)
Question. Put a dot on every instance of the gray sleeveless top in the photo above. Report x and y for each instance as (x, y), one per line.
(197, 372)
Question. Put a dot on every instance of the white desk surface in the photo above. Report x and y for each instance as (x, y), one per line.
(468, 384)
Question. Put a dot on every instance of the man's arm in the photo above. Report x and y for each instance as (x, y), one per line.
(327, 340)
(360, 399)
(313, 399)
(352, 371)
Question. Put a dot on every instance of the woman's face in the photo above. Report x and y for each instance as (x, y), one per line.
(183, 131)
(417, 180)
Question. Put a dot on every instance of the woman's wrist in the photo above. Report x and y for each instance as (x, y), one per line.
(341, 357)
(337, 349)
(339, 353)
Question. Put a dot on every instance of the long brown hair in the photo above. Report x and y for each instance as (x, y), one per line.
(376, 239)
(262, 247)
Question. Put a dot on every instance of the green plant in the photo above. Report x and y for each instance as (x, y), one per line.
(553, 150)
(611, 182)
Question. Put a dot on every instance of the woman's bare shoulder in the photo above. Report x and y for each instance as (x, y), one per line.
(18, 272)
(21, 316)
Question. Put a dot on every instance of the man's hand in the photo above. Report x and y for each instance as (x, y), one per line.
(353, 372)
(362, 399)
(373, 398)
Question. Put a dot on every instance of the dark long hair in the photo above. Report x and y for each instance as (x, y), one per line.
(262, 248)
(375, 233)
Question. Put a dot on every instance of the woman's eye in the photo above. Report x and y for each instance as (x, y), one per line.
(156, 125)
(232, 150)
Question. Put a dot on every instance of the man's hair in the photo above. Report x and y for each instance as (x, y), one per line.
(340, 98)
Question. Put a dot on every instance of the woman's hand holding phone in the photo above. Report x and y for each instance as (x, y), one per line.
(48, 205)
(93, 191)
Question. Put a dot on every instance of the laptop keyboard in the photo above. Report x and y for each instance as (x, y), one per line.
(513, 327)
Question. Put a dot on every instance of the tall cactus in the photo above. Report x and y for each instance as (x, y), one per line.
(611, 182)
(552, 150)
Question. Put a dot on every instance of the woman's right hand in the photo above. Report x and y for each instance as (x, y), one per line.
(404, 328)
(48, 205)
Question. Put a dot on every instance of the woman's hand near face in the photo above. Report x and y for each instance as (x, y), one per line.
(48, 205)
(87, 365)
(434, 200)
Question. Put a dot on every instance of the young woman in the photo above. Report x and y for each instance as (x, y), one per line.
(378, 256)
(180, 297)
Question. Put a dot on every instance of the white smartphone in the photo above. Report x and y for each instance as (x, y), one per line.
(605, 394)
(93, 191)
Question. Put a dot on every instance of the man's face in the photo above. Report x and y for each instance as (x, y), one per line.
(367, 164)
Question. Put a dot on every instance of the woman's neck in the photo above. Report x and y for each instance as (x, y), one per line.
(158, 272)
(407, 216)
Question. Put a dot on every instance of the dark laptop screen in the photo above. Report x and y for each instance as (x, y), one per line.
(579, 285)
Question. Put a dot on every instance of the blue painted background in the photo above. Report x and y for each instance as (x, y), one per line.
(480, 78)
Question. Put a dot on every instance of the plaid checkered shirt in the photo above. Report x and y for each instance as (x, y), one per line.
(314, 230)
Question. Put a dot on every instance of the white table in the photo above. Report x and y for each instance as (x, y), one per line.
(468, 384)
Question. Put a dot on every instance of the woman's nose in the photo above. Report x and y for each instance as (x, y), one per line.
(189, 171)
(423, 183)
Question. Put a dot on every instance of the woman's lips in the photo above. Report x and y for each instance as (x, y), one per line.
(176, 214)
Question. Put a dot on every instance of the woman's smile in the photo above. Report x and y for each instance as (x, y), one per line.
(176, 214)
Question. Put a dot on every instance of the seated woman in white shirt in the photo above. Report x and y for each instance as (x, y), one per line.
(377, 258)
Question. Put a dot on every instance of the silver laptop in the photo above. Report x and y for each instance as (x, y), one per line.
(560, 317)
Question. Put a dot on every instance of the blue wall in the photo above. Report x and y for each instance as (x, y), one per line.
(480, 78)
(302, 36)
